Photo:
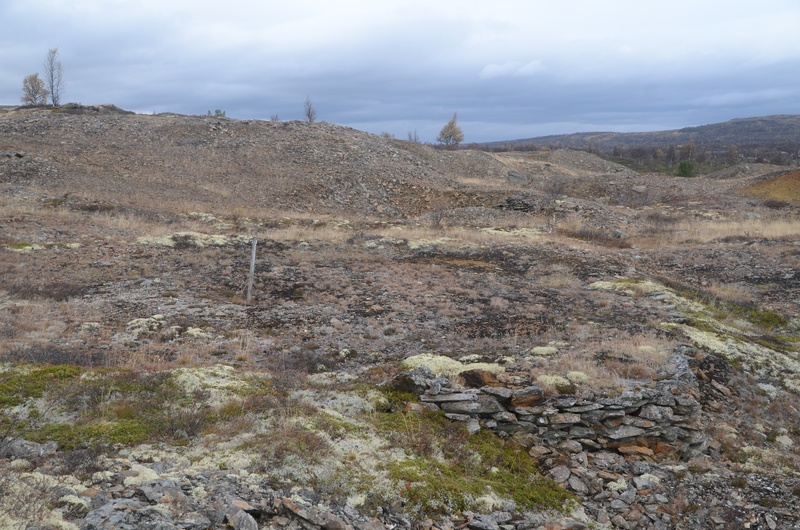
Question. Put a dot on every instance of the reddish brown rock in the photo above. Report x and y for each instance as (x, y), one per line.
(479, 378)
(415, 408)
(635, 450)
(527, 397)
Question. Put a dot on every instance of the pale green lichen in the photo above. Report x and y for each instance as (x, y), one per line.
(197, 333)
(490, 502)
(21, 464)
(512, 232)
(544, 350)
(331, 378)
(629, 287)
(651, 478)
(201, 216)
(553, 380)
(757, 358)
(76, 501)
(88, 327)
(617, 485)
(195, 238)
(421, 243)
(578, 377)
(142, 326)
(144, 475)
(441, 365)
(382, 242)
(356, 500)
(220, 381)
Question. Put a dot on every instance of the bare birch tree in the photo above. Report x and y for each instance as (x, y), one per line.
(54, 76)
(309, 110)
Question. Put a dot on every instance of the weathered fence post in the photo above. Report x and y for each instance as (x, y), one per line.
(252, 270)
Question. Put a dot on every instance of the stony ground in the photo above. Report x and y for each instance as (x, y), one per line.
(126, 249)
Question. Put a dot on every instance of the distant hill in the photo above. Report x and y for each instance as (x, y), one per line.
(761, 130)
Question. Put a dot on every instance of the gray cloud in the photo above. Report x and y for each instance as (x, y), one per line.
(514, 69)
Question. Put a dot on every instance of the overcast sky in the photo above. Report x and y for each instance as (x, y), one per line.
(510, 68)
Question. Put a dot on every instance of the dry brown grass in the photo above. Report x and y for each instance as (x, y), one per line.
(560, 280)
(781, 188)
(322, 232)
(608, 362)
(732, 293)
(773, 227)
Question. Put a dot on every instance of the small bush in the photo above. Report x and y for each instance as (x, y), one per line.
(82, 462)
(23, 502)
(686, 168)
(58, 291)
(739, 482)
(775, 204)
(183, 241)
(597, 236)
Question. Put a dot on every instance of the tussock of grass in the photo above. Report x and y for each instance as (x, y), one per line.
(599, 237)
(58, 291)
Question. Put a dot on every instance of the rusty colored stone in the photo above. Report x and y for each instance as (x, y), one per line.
(479, 378)
(635, 449)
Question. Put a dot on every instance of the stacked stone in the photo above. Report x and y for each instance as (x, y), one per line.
(636, 421)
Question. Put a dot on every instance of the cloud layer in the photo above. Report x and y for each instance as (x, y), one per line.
(511, 69)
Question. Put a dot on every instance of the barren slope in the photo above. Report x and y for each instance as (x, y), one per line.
(784, 187)
(224, 164)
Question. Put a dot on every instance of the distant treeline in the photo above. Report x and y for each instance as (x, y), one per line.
(784, 153)
(765, 139)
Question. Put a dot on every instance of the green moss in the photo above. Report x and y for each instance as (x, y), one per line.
(775, 343)
(702, 325)
(18, 385)
(18, 245)
(449, 470)
(335, 427)
(772, 436)
(769, 502)
(70, 437)
(397, 399)
(721, 308)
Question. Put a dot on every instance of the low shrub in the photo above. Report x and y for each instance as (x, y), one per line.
(775, 204)
(599, 237)
(58, 291)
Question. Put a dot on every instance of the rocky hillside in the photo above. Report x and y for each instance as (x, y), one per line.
(225, 163)
(434, 339)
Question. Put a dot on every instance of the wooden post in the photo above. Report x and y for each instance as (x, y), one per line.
(252, 270)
